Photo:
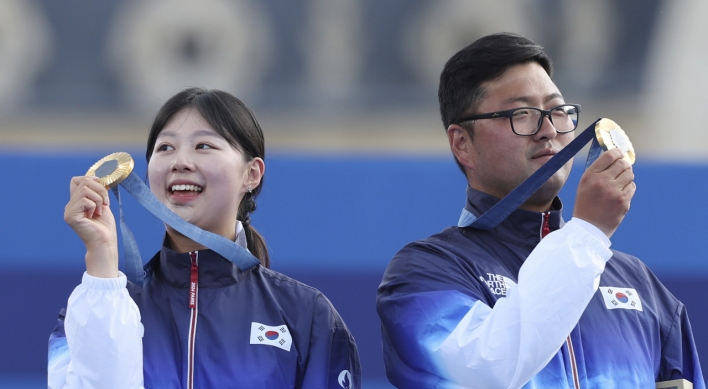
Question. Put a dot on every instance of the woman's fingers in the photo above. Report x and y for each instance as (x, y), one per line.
(87, 196)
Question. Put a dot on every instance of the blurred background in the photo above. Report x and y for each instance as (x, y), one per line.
(358, 163)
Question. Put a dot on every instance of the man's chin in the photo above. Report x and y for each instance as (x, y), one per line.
(548, 191)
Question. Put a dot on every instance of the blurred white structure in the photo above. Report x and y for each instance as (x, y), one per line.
(677, 97)
(338, 75)
(333, 43)
(447, 26)
(25, 47)
(160, 47)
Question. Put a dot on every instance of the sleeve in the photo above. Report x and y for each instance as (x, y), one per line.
(679, 358)
(333, 361)
(439, 332)
(98, 340)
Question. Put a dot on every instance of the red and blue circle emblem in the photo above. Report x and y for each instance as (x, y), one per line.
(622, 297)
(272, 335)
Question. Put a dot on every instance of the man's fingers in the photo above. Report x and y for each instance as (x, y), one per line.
(625, 177)
(605, 160)
(630, 188)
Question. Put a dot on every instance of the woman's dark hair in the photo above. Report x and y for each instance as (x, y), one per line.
(234, 121)
(460, 90)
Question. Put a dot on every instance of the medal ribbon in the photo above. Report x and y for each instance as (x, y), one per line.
(497, 213)
(228, 249)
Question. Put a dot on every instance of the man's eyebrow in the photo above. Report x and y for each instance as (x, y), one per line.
(553, 96)
(527, 99)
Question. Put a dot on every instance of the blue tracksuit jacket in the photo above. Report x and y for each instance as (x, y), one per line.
(430, 285)
(250, 329)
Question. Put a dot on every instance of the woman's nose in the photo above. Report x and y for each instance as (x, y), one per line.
(182, 161)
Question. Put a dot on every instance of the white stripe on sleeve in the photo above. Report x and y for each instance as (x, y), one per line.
(506, 346)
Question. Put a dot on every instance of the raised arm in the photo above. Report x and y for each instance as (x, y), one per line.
(447, 336)
(98, 341)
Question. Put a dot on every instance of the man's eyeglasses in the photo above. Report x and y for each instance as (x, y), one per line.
(528, 120)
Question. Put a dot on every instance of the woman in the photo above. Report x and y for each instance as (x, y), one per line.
(198, 321)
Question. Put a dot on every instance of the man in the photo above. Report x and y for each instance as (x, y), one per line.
(534, 302)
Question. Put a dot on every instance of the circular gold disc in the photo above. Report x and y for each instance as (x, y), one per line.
(611, 136)
(112, 169)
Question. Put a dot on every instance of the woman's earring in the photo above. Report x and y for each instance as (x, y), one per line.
(248, 189)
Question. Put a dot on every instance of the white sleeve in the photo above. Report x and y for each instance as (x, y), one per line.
(506, 346)
(104, 336)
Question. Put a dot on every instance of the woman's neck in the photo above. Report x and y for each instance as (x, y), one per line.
(180, 243)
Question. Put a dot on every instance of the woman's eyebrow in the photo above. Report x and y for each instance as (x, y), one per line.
(198, 133)
(205, 133)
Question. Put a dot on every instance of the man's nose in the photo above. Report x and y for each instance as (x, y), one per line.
(547, 129)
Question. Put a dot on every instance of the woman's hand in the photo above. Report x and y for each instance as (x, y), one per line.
(89, 215)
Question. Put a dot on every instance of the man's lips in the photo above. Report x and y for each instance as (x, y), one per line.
(544, 153)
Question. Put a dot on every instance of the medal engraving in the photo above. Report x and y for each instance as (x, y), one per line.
(112, 169)
(107, 168)
(611, 136)
(620, 140)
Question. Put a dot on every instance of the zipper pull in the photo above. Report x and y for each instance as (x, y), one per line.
(545, 229)
(193, 281)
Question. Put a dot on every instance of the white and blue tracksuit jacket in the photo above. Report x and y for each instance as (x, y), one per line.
(230, 329)
(502, 308)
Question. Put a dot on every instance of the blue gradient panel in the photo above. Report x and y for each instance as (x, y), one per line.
(331, 222)
(348, 213)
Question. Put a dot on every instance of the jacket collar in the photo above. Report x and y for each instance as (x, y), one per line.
(214, 270)
(521, 225)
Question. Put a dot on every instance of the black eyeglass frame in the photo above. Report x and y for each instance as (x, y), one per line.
(508, 113)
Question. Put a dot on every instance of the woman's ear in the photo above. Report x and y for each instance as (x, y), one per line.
(256, 169)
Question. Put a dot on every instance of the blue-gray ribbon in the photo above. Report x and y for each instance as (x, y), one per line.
(497, 213)
(134, 263)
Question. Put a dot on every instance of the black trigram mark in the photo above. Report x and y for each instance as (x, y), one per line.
(261, 328)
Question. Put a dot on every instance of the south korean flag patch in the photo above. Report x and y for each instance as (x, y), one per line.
(621, 298)
(278, 336)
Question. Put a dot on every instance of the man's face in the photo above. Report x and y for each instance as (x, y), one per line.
(501, 160)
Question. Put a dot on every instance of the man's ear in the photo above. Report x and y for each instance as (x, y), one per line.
(461, 145)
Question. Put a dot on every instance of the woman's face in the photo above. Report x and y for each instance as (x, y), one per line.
(196, 173)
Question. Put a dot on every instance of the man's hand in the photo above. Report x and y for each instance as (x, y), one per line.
(605, 191)
(89, 214)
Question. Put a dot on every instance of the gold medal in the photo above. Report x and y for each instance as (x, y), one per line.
(611, 136)
(112, 169)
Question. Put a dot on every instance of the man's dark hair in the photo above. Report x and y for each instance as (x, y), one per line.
(460, 90)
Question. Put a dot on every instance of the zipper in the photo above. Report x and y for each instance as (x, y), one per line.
(545, 230)
(573, 364)
(193, 305)
(545, 227)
